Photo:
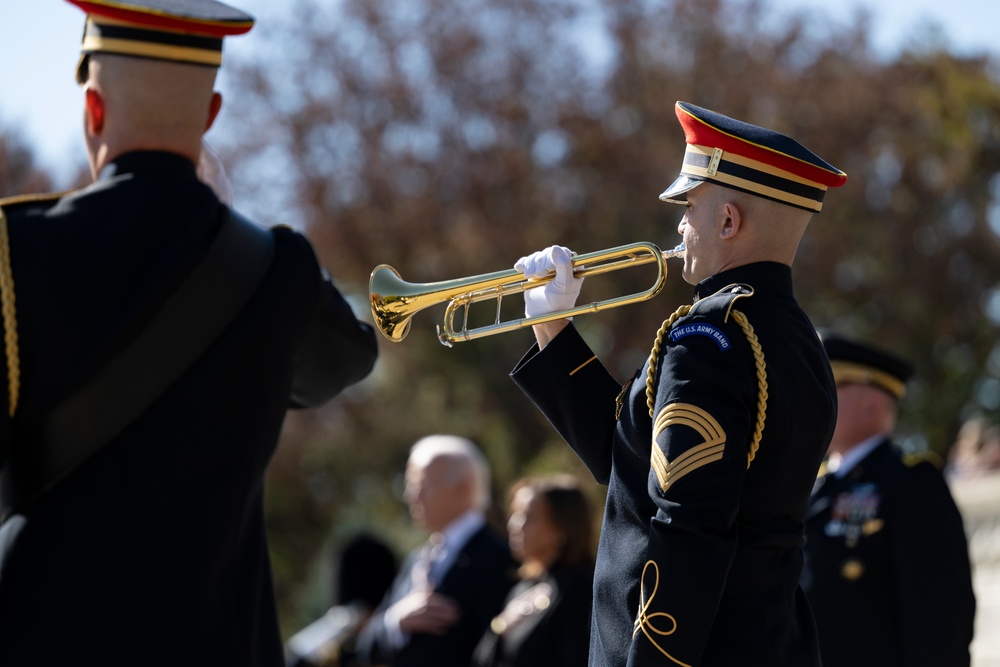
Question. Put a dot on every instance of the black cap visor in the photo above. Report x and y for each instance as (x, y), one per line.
(675, 194)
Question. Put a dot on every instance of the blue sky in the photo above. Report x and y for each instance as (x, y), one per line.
(39, 42)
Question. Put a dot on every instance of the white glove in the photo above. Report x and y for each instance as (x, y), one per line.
(212, 174)
(561, 292)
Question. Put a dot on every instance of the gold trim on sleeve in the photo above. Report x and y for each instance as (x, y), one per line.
(580, 367)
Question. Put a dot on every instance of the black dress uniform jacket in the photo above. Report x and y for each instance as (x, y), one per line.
(700, 555)
(546, 622)
(887, 566)
(478, 581)
(153, 552)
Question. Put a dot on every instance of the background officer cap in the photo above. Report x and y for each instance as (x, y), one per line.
(184, 31)
(853, 361)
(751, 159)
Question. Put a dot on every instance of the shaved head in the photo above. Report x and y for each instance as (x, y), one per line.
(775, 229)
(143, 104)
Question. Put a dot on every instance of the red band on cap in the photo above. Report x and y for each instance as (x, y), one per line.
(159, 21)
(697, 131)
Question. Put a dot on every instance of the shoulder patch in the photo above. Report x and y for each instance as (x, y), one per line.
(701, 329)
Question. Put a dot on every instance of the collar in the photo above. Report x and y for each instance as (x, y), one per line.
(772, 277)
(447, 544)
(148, 161)
(458, 532)
(854, 456)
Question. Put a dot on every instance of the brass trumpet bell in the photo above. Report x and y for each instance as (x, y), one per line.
(394, 301)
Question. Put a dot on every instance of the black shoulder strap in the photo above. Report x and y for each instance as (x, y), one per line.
(187, 323)
(723, 300)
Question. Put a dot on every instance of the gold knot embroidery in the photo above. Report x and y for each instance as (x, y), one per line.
(644, 620)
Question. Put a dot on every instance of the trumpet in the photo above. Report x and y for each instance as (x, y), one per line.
(394, 301)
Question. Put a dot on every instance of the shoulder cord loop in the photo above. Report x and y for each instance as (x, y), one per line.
(654, 355)
(9, 317)
(758, 355)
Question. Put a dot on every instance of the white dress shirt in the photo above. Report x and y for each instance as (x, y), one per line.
(841, 464)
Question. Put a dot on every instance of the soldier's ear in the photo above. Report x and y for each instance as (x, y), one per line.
(732, 222)
(94, 108)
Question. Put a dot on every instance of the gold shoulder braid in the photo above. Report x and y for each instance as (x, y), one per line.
(9, 317)
(7, 295)
(655, 354)
(758, 355)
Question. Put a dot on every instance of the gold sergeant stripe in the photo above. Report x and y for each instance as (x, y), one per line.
(161, 51)
(684, 414)
(668, 474)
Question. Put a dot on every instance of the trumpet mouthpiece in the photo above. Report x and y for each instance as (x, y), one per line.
(676, 251)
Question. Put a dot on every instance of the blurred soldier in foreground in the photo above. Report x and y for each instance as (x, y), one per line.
(887, 564)
(449, 590)
(700, 550)
(156, 341)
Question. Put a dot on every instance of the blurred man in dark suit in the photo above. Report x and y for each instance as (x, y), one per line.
(448, 591)
(887, 564)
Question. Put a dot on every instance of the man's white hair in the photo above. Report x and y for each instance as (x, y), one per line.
(463, 452)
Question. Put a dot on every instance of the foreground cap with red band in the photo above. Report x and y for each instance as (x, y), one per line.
(184, 31)
(751, 159)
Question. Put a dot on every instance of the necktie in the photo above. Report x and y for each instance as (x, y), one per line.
(422, 575)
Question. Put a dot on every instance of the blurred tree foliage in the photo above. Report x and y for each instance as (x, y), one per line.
(20, 172)
(449, 137)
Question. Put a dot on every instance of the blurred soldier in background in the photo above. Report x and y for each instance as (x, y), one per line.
(447, 591)
(887, 563)
(156, 341)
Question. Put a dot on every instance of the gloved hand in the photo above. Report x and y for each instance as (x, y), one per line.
(561, 292)
(213, 174)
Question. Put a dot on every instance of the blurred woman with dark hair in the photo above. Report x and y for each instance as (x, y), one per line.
(546, 619)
